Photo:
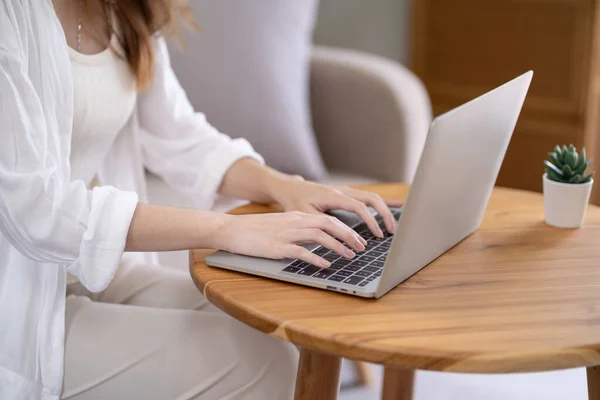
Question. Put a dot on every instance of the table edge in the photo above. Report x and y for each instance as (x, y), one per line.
(426, 359)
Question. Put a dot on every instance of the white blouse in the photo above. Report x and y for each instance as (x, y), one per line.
(104, 96)
(50, 223)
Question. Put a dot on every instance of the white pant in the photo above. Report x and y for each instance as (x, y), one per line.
(152, 335)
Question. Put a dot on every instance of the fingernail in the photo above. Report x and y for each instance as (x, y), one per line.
(379, 233)
(350, 253)
(360, 245)
(393, 228)
(325, 264)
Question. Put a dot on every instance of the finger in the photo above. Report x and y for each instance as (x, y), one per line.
(394, 203)
(343, 232)
(313, 210)
(299, 252)
(335, 228)
(360, 238)
(379, 205)
(350, 204)
(320, 237)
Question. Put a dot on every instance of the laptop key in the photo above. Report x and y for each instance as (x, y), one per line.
(378, 273)
(297, 263)
(353, 280)
(331, 256)
(363, 283)
(377, 253)
(363, 273)
(367, 258)
(377, 264)
(335, 266)
(344, 272)
(371, 278)
(370, 269)
(321, 251)
(291, 269)
(310, 270)
(336, 278)
(358, 263)
(342, 261)
(302, 264)
(324, 273)
(351, 268)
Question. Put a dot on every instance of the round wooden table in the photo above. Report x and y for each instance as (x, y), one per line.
(516, 296)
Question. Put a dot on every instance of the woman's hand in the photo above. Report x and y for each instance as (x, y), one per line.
(279, 236)
(295, 194)
(250, 180)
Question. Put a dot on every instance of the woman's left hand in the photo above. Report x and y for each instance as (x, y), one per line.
(309, 197)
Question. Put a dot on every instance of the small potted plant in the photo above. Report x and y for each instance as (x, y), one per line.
(567, 187)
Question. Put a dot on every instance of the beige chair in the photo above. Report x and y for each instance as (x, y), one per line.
(370, 116)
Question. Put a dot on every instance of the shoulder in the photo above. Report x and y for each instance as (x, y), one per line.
(161, 50)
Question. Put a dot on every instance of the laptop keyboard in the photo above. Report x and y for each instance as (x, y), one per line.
(361, 270)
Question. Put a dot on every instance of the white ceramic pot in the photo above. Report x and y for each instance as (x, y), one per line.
(565, 203)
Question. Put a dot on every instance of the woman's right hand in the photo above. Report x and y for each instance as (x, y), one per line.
(280, 235)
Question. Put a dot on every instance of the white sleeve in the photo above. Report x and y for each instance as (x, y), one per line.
(43, 214)
(179, 145)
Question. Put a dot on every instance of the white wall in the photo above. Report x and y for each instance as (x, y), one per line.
(376, 26)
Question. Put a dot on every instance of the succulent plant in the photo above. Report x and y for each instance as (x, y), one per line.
(565, 165)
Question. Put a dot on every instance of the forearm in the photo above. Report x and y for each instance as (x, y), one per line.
(248, 179)
(158, 228)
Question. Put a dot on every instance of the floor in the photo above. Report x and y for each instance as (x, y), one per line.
(557, 385)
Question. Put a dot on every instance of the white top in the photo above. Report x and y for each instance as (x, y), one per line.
(104, 96)
(50, 223)
(104, 99)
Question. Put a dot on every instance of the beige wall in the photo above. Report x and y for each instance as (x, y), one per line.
(376, 26)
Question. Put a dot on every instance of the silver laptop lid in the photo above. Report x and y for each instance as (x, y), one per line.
(454, 180)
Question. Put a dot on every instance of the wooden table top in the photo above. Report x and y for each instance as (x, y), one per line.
(516, 296)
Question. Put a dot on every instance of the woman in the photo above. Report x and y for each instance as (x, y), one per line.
(87, 100)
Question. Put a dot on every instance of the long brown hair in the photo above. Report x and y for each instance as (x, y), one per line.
(135, 24)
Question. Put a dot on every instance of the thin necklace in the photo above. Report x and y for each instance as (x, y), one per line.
(79, 26)
(108, 4)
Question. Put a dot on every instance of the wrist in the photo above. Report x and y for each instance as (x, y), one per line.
(217, 237)
(277, 186)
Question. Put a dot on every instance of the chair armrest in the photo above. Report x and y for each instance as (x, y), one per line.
(370, 115)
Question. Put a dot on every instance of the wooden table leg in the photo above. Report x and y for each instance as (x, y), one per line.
(593, 383)
(398, 384)
(318, 376)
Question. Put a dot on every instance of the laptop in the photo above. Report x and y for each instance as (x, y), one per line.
(457, 171)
